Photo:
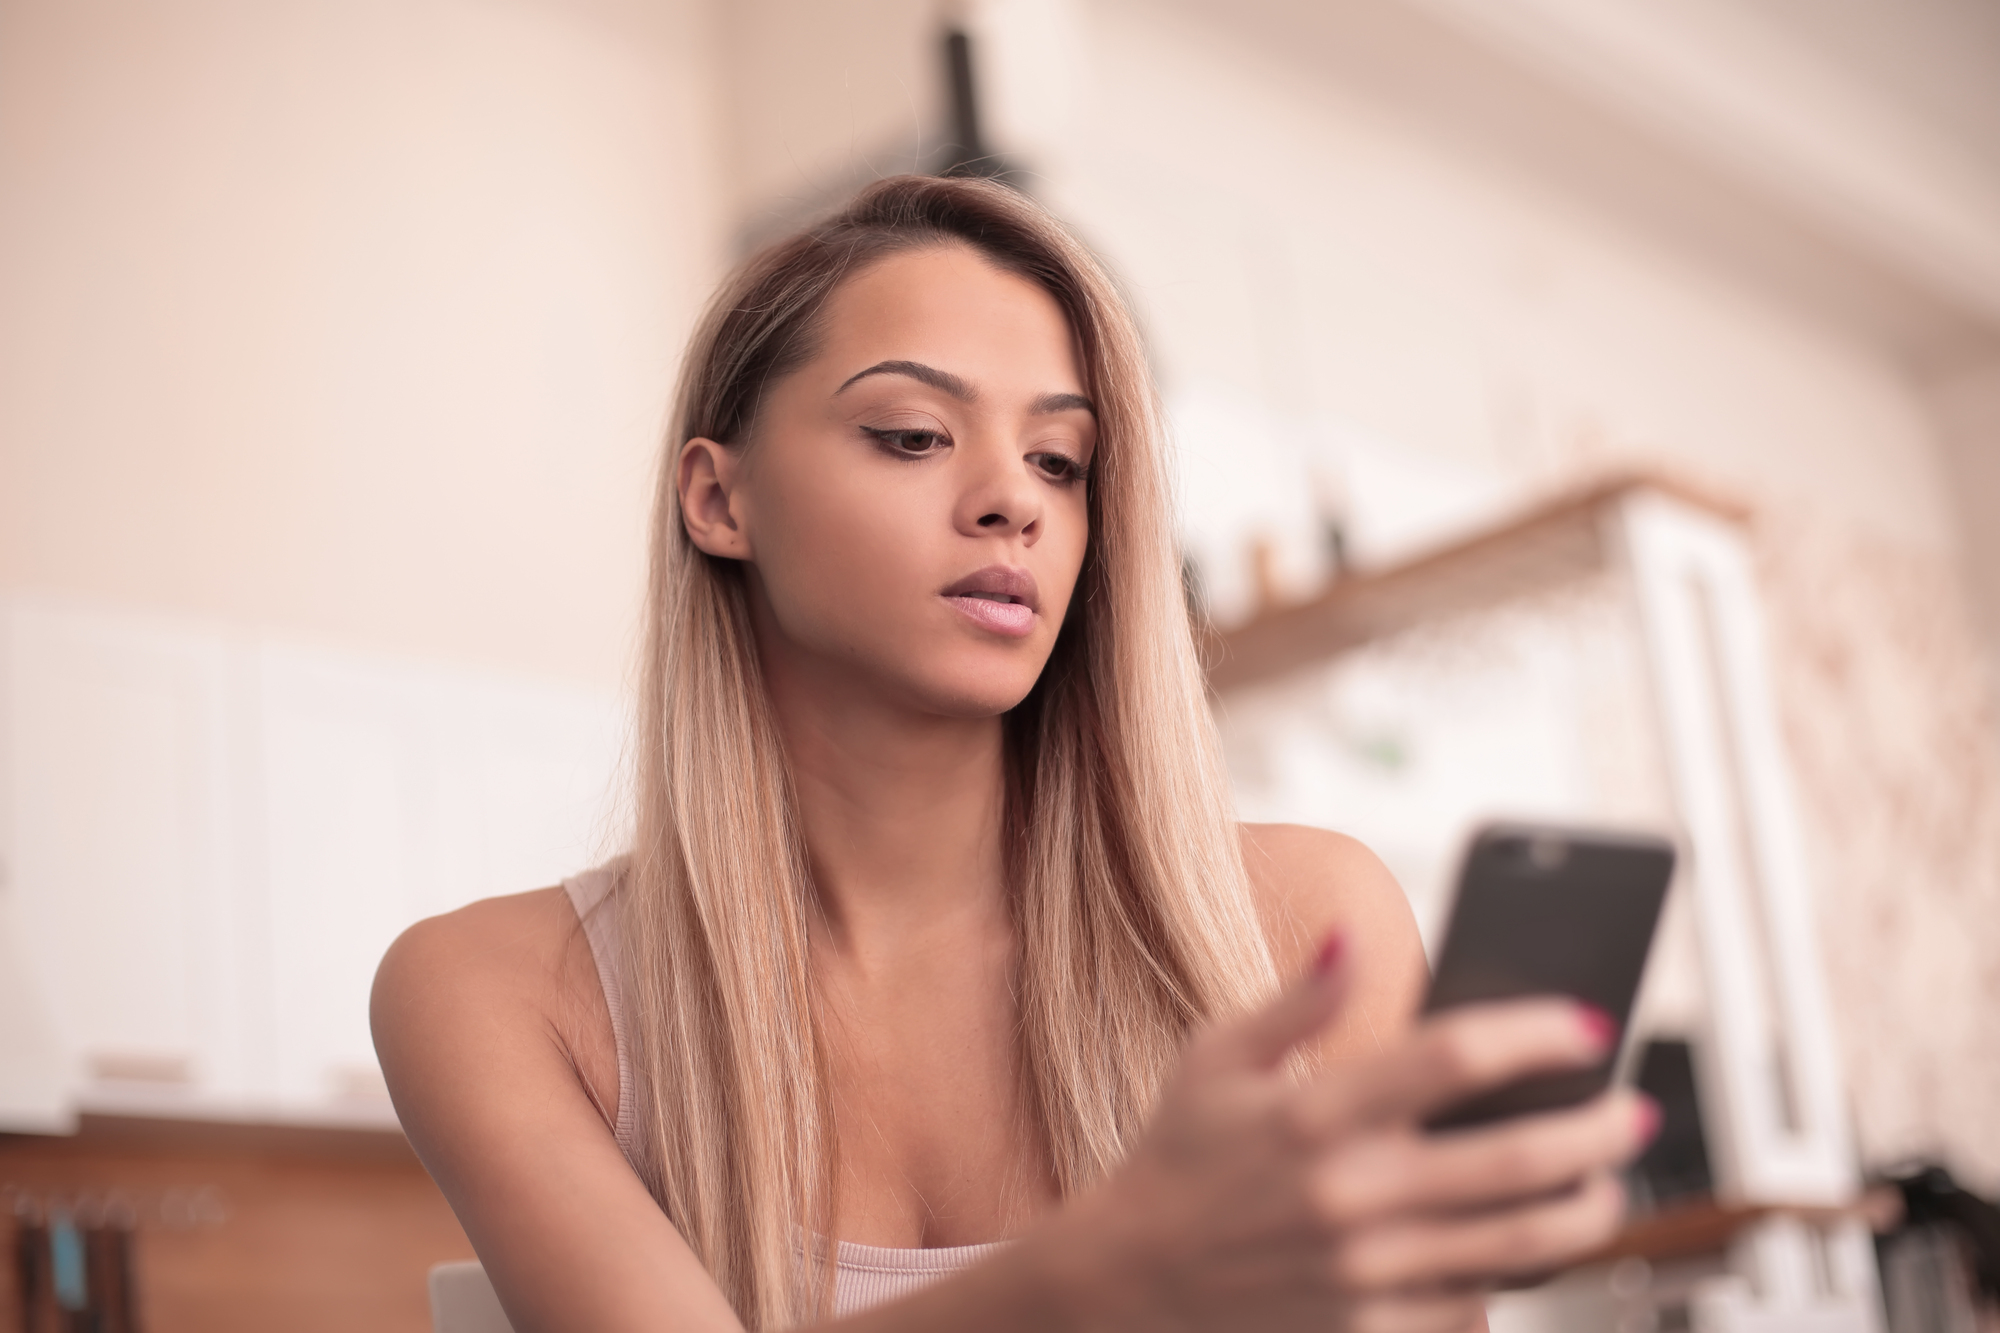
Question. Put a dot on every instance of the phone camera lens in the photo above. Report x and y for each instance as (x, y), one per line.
(1546, 854)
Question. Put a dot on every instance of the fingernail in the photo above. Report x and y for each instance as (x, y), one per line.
(1329, 954)
(1598, 1026)
(1649, 1119)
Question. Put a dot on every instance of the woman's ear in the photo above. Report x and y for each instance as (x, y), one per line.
(705, 477)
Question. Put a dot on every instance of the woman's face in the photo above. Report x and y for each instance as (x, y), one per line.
(912, 503)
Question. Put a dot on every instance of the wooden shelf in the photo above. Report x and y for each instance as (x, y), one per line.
(1685, 1230)
(1549, 544)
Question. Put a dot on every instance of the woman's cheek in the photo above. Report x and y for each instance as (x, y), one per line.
(853, 572)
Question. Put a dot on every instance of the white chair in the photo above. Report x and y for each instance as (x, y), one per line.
(462, 1301)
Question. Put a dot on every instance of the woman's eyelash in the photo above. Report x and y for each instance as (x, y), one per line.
(1073, 469)
(1068, 471)
(898, 441)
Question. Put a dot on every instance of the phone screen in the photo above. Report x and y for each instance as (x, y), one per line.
(1548, 911)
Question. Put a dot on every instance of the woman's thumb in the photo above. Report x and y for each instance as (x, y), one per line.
(1261, 1040)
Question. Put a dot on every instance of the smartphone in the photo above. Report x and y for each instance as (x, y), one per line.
(1549, 911)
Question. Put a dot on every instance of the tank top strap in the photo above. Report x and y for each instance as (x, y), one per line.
(592, 895)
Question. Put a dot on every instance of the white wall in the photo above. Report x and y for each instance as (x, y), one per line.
(1300, 248)
(1331, 286)
(355, 319)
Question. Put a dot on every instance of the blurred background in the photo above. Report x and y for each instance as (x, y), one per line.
(335, 348)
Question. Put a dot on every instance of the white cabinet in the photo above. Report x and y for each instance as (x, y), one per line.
(394, 793)
(209, 840)
(124, 847)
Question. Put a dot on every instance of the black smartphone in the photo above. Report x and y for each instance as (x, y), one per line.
(1549, 911)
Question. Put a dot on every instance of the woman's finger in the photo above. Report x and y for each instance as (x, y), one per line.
(1261, 1040)
(1455, 1055)
(1485, 1247)
(1405, 1171)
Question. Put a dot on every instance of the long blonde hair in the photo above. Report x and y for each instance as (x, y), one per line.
(1127, 882)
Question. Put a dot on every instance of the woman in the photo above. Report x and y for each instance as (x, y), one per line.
(936, 931)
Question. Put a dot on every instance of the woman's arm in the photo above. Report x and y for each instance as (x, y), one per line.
(480, 1017)
(496, 1043)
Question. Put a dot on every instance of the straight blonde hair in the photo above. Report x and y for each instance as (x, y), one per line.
(1128, 890)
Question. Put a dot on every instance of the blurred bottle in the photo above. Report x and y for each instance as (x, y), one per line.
(109, 1263)
(1331, 501)
(74, 1265)
(33, 1282)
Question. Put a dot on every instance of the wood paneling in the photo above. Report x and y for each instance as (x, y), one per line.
(321, 1230)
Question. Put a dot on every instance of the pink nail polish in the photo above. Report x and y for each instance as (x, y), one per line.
(1598, 1025)
(1329, 954)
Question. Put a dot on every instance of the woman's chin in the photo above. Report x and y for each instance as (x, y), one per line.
(971, 694)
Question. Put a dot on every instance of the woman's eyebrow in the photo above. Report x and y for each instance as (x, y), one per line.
(941, 380)
(946, 382)
(1061, 402)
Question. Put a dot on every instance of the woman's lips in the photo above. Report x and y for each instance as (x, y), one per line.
(1014, 619)
(1000, 598)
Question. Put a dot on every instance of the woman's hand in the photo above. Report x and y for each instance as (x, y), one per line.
(1257, 1202)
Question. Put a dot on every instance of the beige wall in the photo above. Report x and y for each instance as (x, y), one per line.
(355, 320)
(821, 97)
(1967, 405)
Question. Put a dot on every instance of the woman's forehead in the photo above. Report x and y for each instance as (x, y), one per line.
(952, 308)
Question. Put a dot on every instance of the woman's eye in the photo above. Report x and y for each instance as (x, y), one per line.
(1059, 467)
(907, 443)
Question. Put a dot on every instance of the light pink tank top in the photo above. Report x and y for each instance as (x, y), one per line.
(863, 1275)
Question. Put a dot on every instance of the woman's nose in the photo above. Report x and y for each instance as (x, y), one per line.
(999, 498)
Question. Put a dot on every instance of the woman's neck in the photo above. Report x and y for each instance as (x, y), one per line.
(901, 811)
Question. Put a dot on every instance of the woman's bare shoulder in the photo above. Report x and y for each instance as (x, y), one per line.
(1309, 883)
(522, 961)
(496, 1043)
(514, 944)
